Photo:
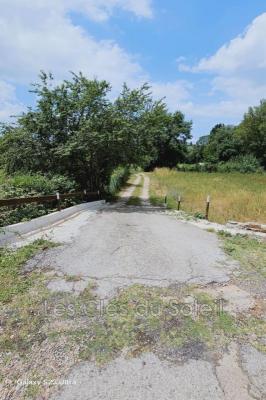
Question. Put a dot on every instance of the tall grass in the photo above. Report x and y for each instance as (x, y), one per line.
(117, 180)
(234, 196)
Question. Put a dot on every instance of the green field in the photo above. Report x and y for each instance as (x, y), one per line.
(234, 196)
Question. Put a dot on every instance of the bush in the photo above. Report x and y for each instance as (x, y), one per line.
(118, 178)
(35, 184)
(244, 164)
(32, 185)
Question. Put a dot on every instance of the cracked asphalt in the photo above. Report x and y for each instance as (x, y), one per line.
(120, 245)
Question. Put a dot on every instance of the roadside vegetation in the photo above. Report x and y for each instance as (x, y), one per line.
(234, 196)
(249, 252)
(33, 184)
(76, 138)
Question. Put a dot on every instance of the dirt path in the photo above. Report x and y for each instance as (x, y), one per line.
(127, 193)
(119, 247)
(145, 191)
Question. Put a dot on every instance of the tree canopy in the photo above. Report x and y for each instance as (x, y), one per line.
(76, 130)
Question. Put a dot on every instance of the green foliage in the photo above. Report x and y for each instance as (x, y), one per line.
(35, 184)
(170, 139)
(76, 131)
(32, 185)
(252, 132)
(230, 146)
(118, 179)
(243, 164)
(222, 144)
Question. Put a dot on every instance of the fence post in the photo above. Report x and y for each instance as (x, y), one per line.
(165, 201)
(99, 195)
(207, 207)
(179, 203)
(85, 194)
(58, 201)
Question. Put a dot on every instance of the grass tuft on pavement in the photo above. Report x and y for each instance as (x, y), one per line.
(13, 280)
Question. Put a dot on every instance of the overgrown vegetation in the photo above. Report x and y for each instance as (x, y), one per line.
(13, 279)
(233, 196)
(118, 178)
(21, 185)
(250, 252)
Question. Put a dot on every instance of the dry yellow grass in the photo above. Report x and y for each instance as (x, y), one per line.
(234, 196)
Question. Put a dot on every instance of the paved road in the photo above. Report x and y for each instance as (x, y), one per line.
(121, 245)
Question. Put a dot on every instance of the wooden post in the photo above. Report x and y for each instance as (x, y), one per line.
(179, 203)
(207, 207)
(165, 201)
(85, 194)
(58, 201)
(99, 195)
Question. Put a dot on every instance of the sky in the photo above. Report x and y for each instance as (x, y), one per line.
(206, 58)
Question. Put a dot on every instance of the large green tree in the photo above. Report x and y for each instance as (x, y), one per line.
(222, 145)
(76, 130)
(252, 132)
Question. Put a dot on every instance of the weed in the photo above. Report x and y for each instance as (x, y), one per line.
(13, 280)
(250, 252)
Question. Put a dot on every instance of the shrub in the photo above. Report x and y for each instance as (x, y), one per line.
(32, 185)
(118, 178)
(244, 164)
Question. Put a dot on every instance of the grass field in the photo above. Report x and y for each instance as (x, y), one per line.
(234, 196)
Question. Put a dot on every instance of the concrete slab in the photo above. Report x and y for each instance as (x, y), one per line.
(145, 378)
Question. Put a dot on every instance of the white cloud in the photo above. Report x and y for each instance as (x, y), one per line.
(9, 104)
(39, 35)
(238, 87)
(245, 52)
(35, 36)
(175, 93)
(100, 10)
(239, 69)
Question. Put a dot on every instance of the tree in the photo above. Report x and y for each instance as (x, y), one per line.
(252, 132)
(223, 144)
(75, 130)
(170, 140)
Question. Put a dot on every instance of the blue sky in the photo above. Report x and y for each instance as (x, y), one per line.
(207, 58)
